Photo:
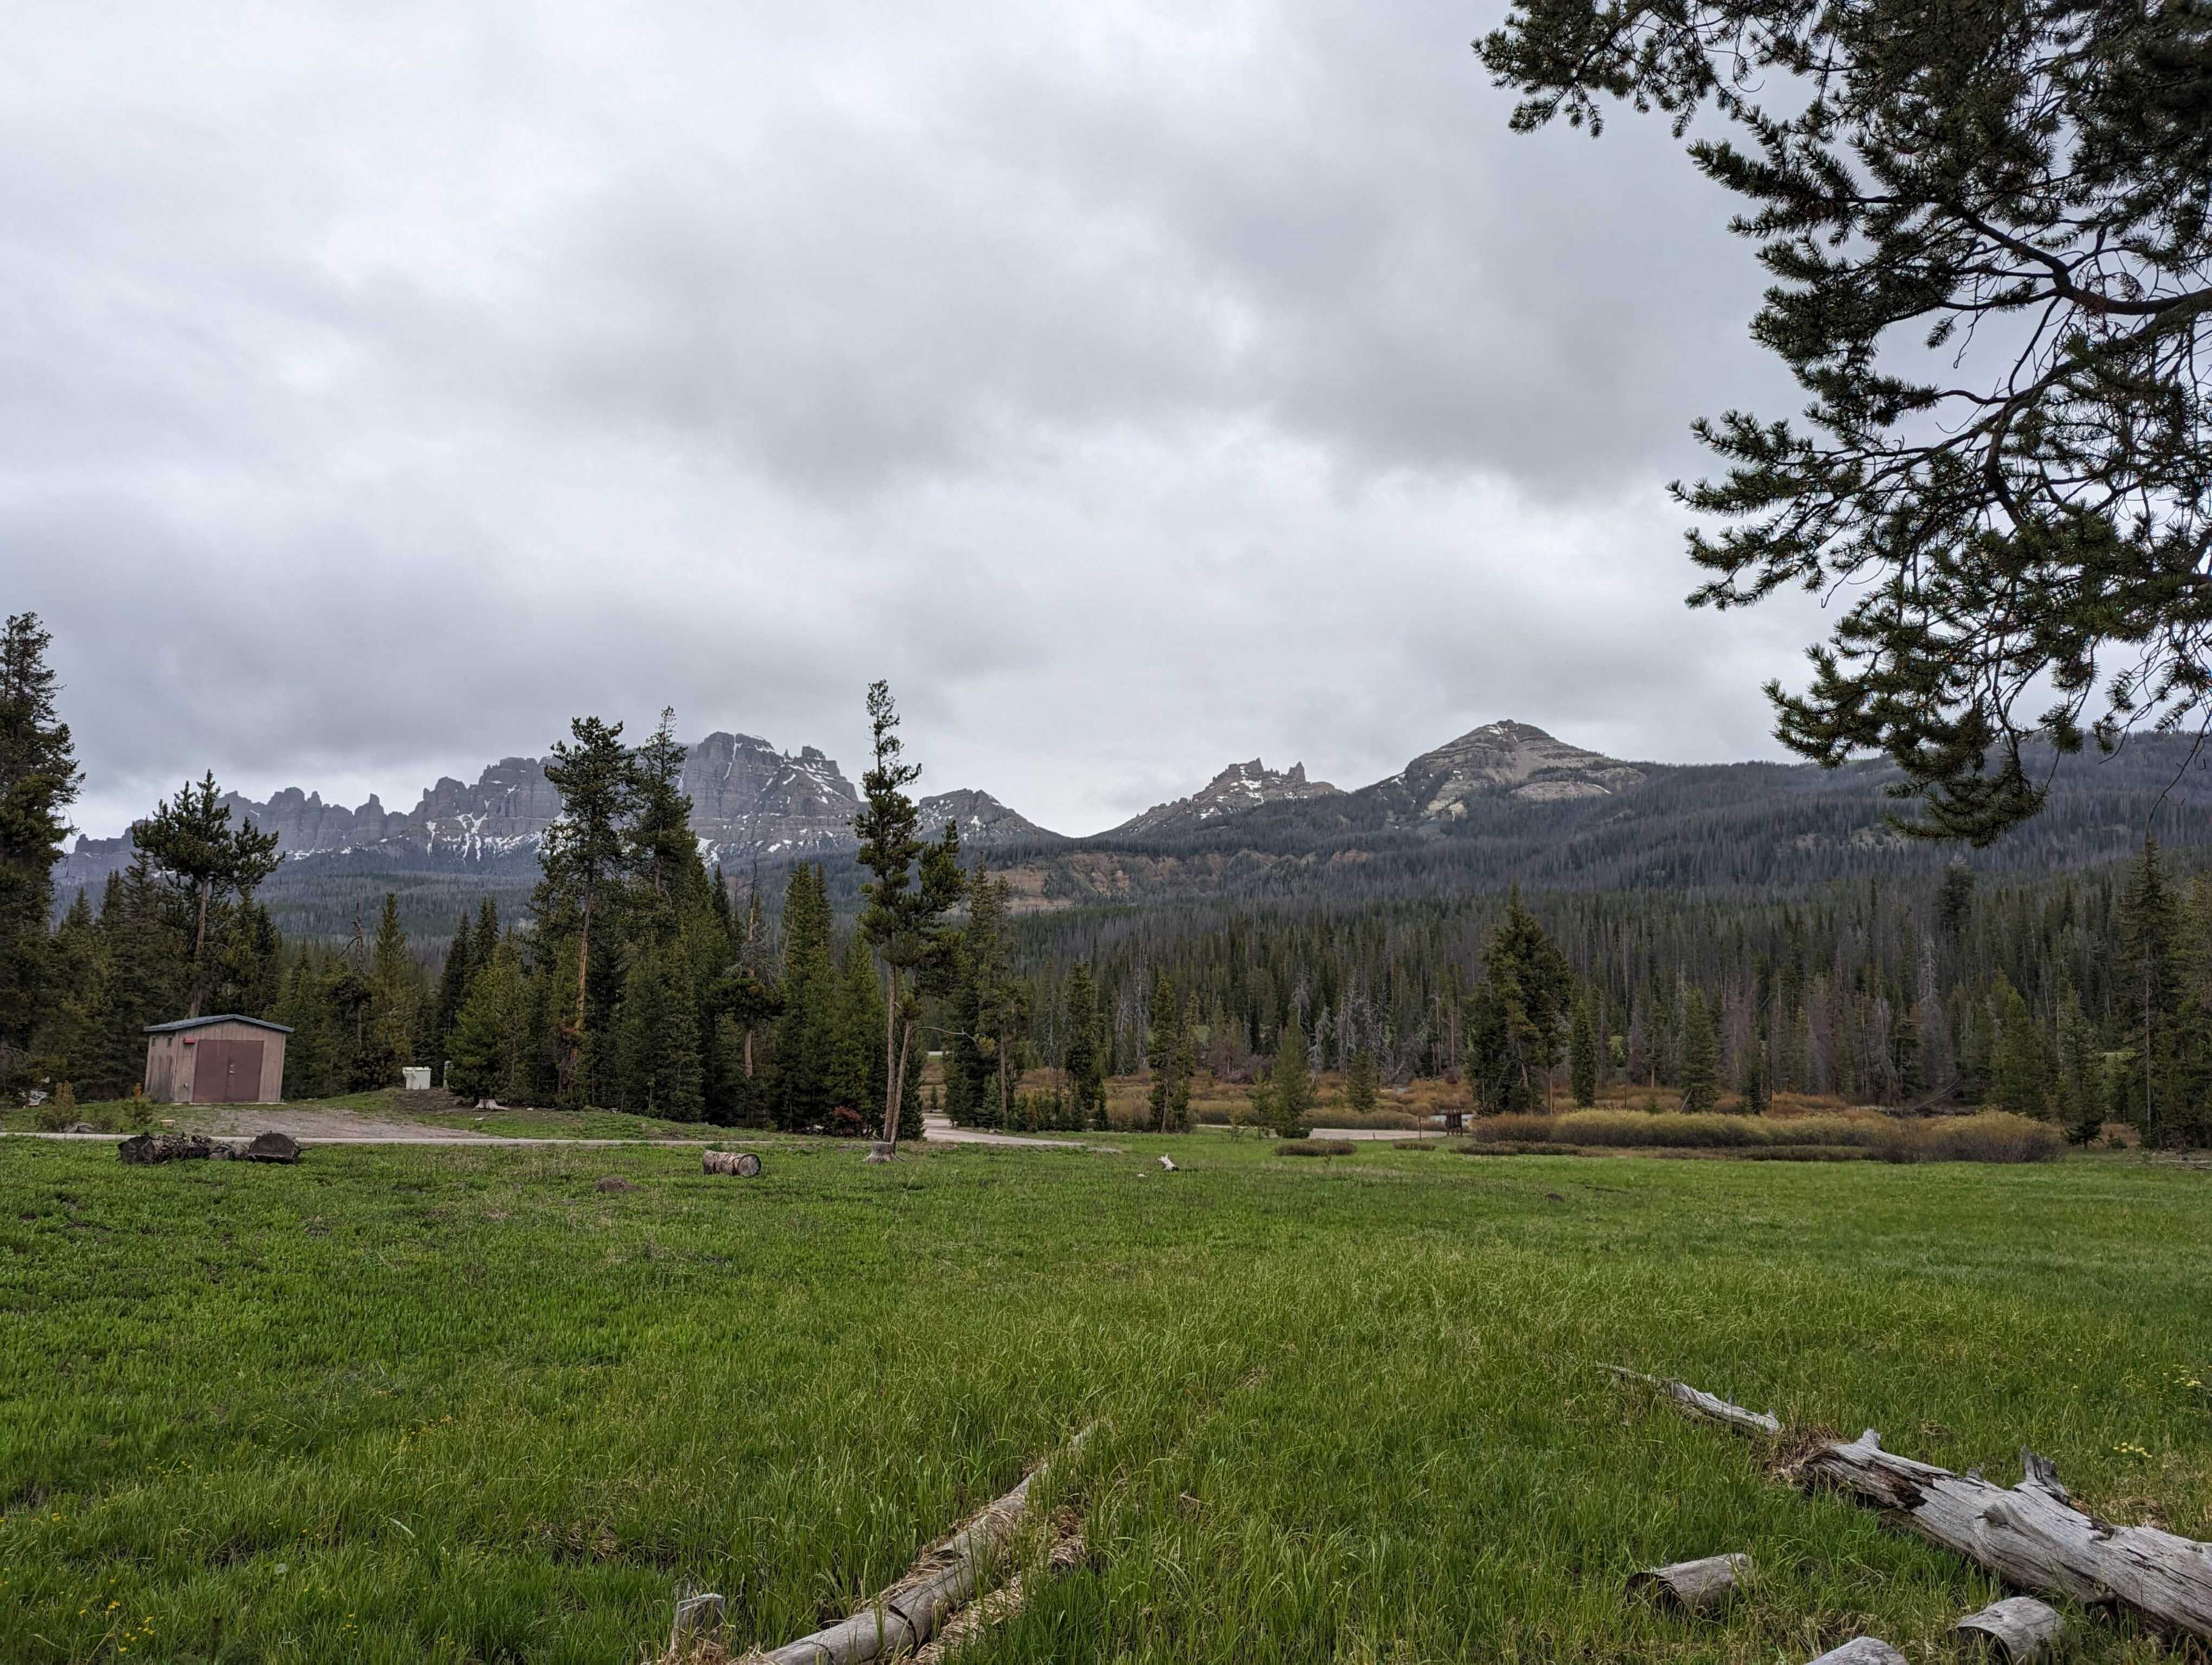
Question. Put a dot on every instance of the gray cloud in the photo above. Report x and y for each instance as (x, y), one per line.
(1137, 388)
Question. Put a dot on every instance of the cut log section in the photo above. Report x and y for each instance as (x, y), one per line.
(2022, 1630)
(2030, 1535)
(1695, 1586)
(743, 1163)
(1861, 1650)
(908, 1614)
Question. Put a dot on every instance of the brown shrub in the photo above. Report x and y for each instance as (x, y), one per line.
(1991, 1136)
(1315, 1147)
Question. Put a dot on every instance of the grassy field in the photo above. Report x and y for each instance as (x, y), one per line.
(450, 1404)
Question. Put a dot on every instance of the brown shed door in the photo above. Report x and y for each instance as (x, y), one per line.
(227, 1072)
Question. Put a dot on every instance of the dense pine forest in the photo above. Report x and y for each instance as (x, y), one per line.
(634, 977)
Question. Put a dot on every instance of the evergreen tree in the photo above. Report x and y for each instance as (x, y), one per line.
(1163, 1044)
(657, 1069)
(912, 886)
(1912, 1072)
(581, 862)
(857, 1068)
(1701, 1054)
(1753, 1087)
(392, 1002)
(975, 1003)
(660, 849)
(1360, 1082)
(70, 1040)
(2018, 1076)
(452, 989)
(805, 1051)
(489, 935)
(491, 1037)
(207, 866)
(1184, 1064)
(2150, 977)
(1955, 905)
(146, 952)
(1519, 1010)
(1084, 1057)
(1581, 1051)
(2078, 1091)
(1290, 1097)
(38, 780)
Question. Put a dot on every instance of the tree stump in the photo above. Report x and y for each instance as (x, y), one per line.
(272, 1146)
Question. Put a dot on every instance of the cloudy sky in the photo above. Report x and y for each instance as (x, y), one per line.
(1138, 387)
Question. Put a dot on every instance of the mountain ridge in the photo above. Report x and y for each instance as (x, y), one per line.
(1505, 803)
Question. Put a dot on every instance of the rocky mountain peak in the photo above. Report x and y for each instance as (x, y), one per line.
(1239, 787)
(1511, 759)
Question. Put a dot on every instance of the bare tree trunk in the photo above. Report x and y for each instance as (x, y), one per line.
(894, 1074)
(2030, 1535)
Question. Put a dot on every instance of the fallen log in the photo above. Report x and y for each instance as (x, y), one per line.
(1695, 1586)
(1000, 1605)
(907, 1615)
(2021, 1629)
(743, 1163)
(2030, 1535)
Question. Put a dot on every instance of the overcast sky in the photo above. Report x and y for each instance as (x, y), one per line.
(1138, 387)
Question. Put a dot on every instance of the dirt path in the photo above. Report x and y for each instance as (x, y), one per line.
(939, 1130)
(320, 1126)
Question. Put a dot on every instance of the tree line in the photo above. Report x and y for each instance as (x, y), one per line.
(638, 979)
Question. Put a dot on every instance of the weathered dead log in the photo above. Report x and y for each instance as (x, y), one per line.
(1861, 1650)
(1000, 1605)
(1700, 1403)
(2019, 1627)
(1695, 1586)
(743, 1163)
(2030, 1535)
(909, 1613)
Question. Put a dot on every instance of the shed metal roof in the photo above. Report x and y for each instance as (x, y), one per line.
(219, 1018)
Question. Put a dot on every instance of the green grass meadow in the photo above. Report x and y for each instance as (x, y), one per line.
(406, 1404)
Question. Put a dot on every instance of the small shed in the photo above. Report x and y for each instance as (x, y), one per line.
(223, 1060)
